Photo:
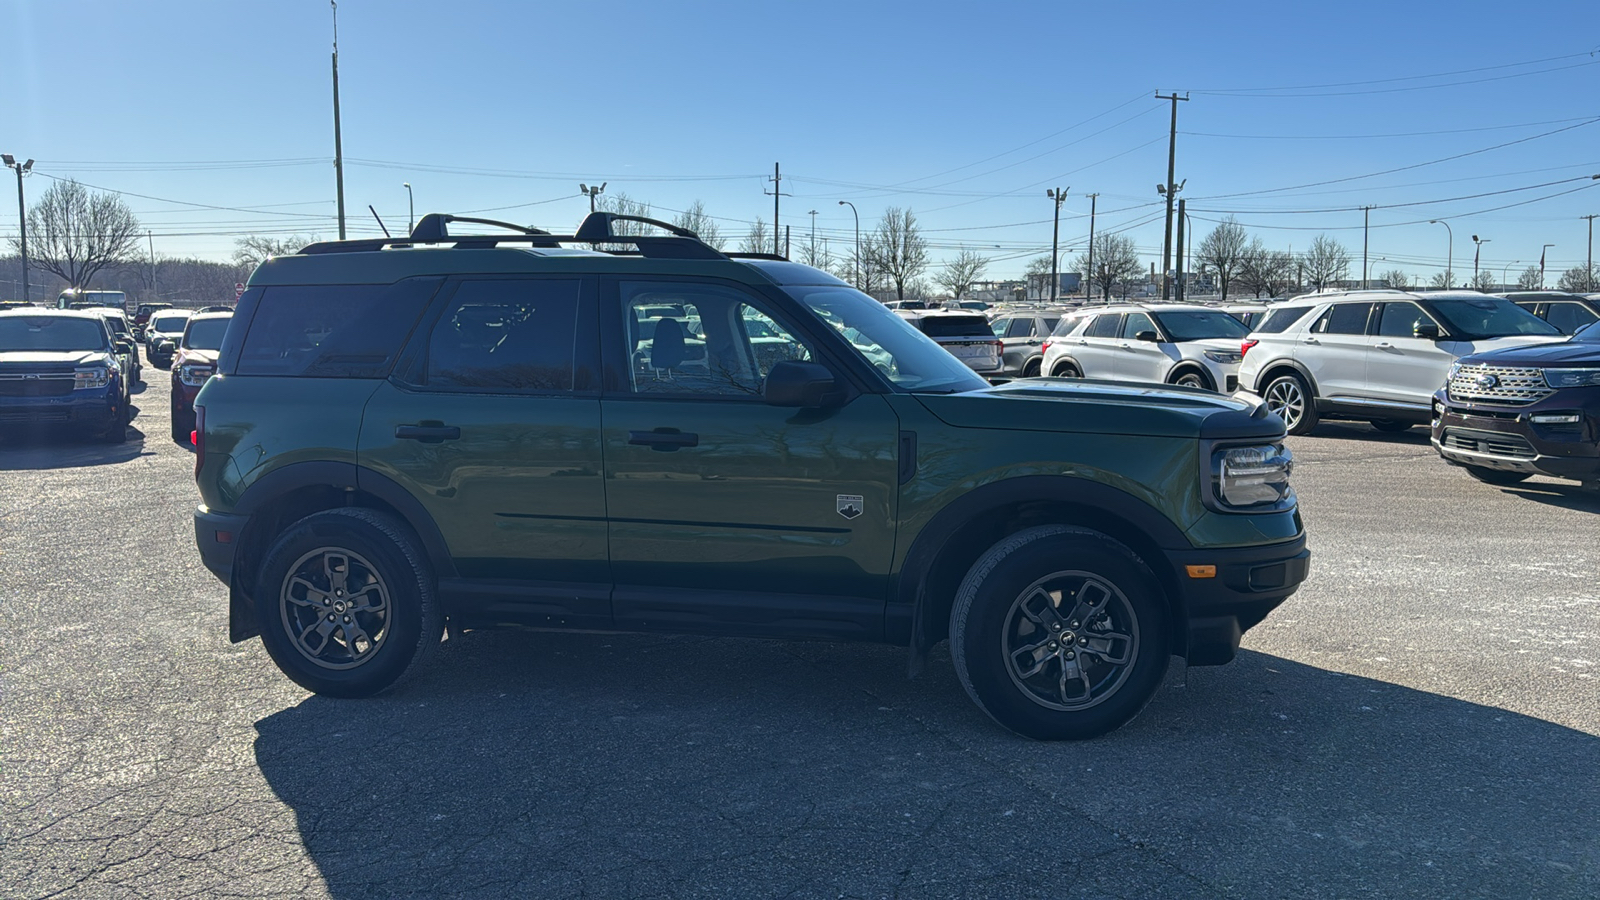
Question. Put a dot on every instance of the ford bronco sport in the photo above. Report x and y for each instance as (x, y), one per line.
(513, 430)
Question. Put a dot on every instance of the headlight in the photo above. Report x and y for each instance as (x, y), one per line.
(1254, 477)
(1224, 356)
(89, 377)
(1455, 367)
(1565, 378)
(195, 374)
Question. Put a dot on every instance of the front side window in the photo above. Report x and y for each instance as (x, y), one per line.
(909, 359)
(505, 335)
(702, 340)
(1401, 320)
(1570, 317)
(332, 330)
(1136, 323)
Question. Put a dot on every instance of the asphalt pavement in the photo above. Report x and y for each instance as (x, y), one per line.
(1421, 720)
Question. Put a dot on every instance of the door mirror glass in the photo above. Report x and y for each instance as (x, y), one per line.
(803, 384)
(1426, 331)
(1149, 336)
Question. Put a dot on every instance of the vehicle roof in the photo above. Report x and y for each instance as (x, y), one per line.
(219, 314)
(89, 314)
(1147, 307)
(109, 311)
(175, 312)
(1542, 295)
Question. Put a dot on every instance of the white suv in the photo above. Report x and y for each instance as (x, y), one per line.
(1374, 355)
(1171, 343)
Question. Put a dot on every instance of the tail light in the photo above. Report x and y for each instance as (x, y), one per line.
(198, 439)
(1246, 344)
(1044, 347)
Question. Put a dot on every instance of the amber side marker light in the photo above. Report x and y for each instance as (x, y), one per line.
(1202, 571)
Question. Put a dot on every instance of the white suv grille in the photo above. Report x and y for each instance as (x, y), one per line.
(1499, 384)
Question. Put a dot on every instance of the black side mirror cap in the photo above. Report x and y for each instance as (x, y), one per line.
(1426, 331)
(1147, 336)
(801, 384)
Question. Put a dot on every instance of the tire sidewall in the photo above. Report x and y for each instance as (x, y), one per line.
(1308, 416)
(412, 618)
(984, 603)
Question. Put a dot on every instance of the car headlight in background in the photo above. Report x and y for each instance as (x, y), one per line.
(1450, 376)
(90, 377)
(1224, 356)
(195, 374)
(1253, 477)
(1565, 378)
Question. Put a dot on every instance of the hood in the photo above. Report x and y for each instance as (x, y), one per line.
(50, 358)
(1104, 407)
(1490, 345)
(1559, 354)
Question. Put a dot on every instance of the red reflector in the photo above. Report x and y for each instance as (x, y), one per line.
(194, 438)
(224, 537)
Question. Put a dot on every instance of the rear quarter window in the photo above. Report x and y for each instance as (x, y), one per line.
(333, 330)
(1277, 321)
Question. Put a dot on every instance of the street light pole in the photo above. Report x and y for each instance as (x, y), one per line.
(411, 209)
(1060, 197)
(858, 239)
(1505, 270)
(1450, 258)
(1366, 218)
(21, 212)
(338, 144)
(1476, 250)
(813, 215)
(155, 289)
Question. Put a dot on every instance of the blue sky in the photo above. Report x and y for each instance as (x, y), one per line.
(965, 113)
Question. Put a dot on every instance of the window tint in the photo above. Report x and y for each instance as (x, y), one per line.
(1344, 318)
(332, 331)
(1135, 323)
(1020, 328)
(1402, 319)
(999, 326)
(703, 340)
(1484, 317)
(1569, 317)
(1200, 326)
(168, 324)
(958, 326)
(1050, 325)
(1278, 321)
(206, 334)
(510, 335)
(1105, 325)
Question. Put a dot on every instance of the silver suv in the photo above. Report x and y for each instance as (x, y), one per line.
(1376, 356)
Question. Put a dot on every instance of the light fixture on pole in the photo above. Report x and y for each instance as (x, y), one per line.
(1476, 250)
(1541, 264)
(592, 192)
(22, 216)
(858, 239)
(1059, 195)
(1450, 253)
(411, 209)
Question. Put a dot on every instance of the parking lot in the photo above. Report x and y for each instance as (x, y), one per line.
(1421, 720)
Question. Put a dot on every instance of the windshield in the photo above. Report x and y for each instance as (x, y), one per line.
(1488, 317)
(168, 323)
(1199, 326)
(206, 334)
(50, 333)
(907, 357)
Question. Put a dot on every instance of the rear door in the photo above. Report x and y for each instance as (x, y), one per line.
(1401, 367)
(492, 423)
(1098, 346)
(1334, 351)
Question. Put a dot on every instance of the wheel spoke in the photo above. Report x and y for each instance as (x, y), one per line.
(313, 594)
(1092, 600)
(324, 629)
(1073, 675)
(1040, 608)
(1105, 646)
(369, 599)
(337, 567)
(1031, 660)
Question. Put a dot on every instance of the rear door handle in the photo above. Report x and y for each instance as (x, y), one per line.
(1384, 345)
(663, 439)
(428, 433)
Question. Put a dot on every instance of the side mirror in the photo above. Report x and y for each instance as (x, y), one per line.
(1147, 336)
(1426, 331)
(124, 346)
(803, 384)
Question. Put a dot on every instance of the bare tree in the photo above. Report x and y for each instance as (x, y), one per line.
(1223, 250)
(958, 274)
(77, 233)
(758, 240)
(1116, 261)
(255, 249)
(1531, 279)
(1396, 279)
(1442, 281)
(698, 221)
(1262, 271)
(1483, 281)
(1580, 280)
(1327, 262)
(901, 251)
(873, 279)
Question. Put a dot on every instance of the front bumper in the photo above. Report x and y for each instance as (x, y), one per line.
(1505, 438)
(1249, 583)
(93, 413)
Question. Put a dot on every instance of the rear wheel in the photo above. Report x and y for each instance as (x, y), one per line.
(1031, 369)
(1066, 370)
(1391, 426)
(1496, 476)
(1288, 396)
(1060, 633)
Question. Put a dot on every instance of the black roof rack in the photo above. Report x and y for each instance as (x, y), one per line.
(596, 228)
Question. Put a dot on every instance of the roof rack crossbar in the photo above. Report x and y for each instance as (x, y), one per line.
(433, 229)
(596, 228)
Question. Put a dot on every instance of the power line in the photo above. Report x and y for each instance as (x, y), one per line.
(1363, 137)
(1274, 91)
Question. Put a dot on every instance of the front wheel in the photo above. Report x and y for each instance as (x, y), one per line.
(346, 602)
(1288, 396)
(1497, 476)
(1391, 426)
(1060, 633)
(1192, 379)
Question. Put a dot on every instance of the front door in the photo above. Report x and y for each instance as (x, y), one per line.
(1138, 360)
(727, 514)
(1401, 367)
(493, 424)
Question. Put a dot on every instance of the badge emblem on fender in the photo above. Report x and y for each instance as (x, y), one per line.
(850, 505)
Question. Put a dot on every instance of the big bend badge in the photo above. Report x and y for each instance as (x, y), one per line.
(850, 505)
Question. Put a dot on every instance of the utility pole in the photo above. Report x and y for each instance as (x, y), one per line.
(1366, 217)
(155, 290)
(1059, 196)
(785, 253)
(1180, 251)
(338, 145)
(1588, 269)
(776, 192)
(21, 213)
(1170, 190)
(813, 215)
(1089, 275)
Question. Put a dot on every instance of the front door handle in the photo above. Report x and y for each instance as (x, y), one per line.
(1384, 345)
(1312, 340)
(664, 439)
(428, 432)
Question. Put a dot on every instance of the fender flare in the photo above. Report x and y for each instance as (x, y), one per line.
(1299, 369)
(1183, 365)
(1065, 357)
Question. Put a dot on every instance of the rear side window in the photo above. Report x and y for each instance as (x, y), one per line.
(1105, 326)
(1344, 318)
(1277, 321)
(512, 335)
(1020, 328)
(332, 330)
(956, 326)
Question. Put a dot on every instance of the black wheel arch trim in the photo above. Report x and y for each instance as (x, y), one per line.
(1183, 367)
(1262, 381)
(1063, 358)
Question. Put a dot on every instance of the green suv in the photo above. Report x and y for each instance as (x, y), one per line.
(512, 430)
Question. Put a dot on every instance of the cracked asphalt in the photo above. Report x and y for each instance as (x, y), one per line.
(1421, 720)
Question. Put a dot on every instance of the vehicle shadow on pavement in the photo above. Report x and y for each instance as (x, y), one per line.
(553, 765)
(1416, 435)
(1563, 494)
(63, 450)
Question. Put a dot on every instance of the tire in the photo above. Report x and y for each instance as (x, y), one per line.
(301, 577)
(117, 432)
(1496, 476)
(1005, 609)
(1392, 426)
(1191, 378)
(1065, 370)
(182, 429)
(1030, 369)
(1288, 396)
